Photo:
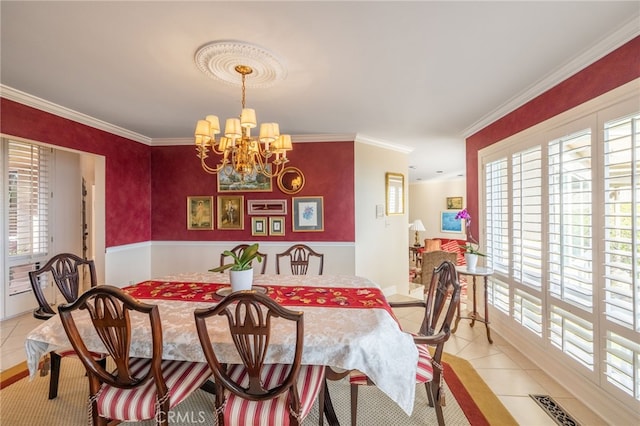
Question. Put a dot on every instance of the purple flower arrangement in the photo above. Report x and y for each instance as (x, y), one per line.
(469, 247)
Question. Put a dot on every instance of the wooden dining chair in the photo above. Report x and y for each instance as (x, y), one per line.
(299, 255)
(265, 394)
(65, 270)
(237, 250)
(439, 309)
(139, 388)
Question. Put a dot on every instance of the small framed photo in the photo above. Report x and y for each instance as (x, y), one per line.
(258, 226)
(308, 214)
(231, 212)
(200, 212)
(454, 203)
(276, 225)
(449, 223)
(268, 207)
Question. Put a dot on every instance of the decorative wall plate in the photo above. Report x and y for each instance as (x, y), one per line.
(291, 180)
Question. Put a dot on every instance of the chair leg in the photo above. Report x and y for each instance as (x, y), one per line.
(354, 404)
(55, 375)
(162, 418)
(321, 402)
(429, 388)
(437, 402)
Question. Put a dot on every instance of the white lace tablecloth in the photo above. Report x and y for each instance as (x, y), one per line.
(366, 339)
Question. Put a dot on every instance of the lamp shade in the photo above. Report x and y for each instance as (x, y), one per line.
(417, 225)
(248, 118)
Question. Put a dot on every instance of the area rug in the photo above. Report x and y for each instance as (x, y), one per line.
(25, 402)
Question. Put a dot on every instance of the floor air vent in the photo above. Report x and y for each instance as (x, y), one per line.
(557, 413)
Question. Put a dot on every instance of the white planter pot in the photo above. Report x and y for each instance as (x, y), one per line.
(241, 280)
(472, 261)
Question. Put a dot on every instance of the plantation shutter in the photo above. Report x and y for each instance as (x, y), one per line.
(27, 211)
(622, 252)
(527, 216)
(526, 175)
(497, 230)
(570, 247)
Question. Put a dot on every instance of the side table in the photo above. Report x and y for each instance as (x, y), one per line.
(474, 315)
(416, 254)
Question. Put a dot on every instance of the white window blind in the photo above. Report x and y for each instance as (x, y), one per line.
(623, 364)
(622, 253)
(570, 219)
(622, 217)
(569, 273)
(527, 310)
(27, 210)
(573, 335)
(497, 215)
(527, 216)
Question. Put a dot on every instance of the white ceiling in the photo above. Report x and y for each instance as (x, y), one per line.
(416, 75)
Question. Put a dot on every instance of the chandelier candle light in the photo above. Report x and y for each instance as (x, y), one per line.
(240, 152)
(471, 253)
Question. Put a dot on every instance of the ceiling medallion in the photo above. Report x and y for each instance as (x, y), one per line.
(219, 59)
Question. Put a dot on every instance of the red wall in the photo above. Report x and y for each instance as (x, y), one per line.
(128, 164)
(328, 169)
(141, 179)
(615, 69)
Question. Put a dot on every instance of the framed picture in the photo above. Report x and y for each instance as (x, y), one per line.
(230, 212)
(231, 181)
(258, 226)
(394, 187)
(200, 212)
(267, 207)
(449, 223)
(308, 214)
(291, 180)
(276, 225)
(454, 203)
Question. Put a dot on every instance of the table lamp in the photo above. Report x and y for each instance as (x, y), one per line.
(417, 226)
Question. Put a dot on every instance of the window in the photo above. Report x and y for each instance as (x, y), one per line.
(27, 210)
(570, 219)
(527, 214)
(561, 207)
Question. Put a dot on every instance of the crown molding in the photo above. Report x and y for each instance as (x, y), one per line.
(626, 33)
(383, 144)
(295, 138)
(46, 106)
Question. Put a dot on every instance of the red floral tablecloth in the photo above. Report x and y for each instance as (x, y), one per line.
(343, 297)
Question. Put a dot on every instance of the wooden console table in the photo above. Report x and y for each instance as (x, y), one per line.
(474, 315)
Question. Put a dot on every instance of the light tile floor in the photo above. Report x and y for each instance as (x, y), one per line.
(510, 375)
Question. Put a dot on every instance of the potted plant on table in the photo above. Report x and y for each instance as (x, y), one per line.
(470, 251)
(241, 270)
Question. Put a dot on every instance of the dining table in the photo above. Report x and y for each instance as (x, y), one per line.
(348, 325)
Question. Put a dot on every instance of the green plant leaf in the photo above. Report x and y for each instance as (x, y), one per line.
(242, 262)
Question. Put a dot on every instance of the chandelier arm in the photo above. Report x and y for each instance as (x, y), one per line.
(209, 169)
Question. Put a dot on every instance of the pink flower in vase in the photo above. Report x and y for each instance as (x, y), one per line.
(469, 247)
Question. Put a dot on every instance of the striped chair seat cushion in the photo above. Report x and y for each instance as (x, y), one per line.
(273, 412)
(181, 377)
(424, 373)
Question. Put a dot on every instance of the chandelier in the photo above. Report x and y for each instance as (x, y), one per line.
(237, 151)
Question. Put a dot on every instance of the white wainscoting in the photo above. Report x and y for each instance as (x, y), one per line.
(133, 263)
(127, 264)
